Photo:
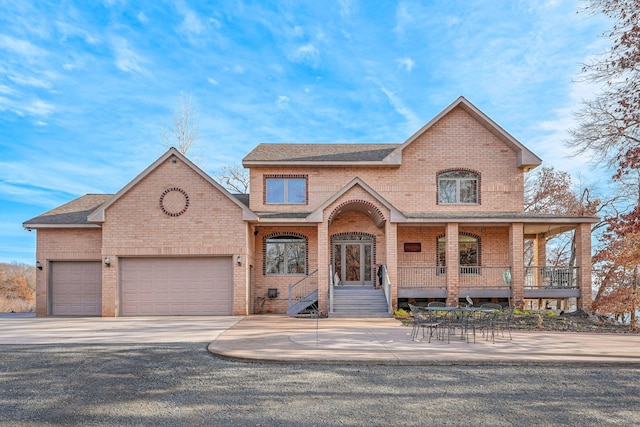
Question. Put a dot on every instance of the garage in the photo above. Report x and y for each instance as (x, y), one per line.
(176, 286)
(76, 288)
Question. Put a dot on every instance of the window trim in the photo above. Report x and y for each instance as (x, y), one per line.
(286, 178)
(303, 239)
(478, 179)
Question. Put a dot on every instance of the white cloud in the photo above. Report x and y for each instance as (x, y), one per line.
(346, 7)
(7, 90)
(125, 58)
(283, 101)
(29, 81)
(20, 47)
(191, 24)
(69, 30)
(406, 63)
(400, 108)
(307, 54)
(213, 81)
(39, 108)
(142, 18)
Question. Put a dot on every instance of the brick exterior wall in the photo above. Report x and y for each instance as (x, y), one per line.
(456, 142)
(135, 225)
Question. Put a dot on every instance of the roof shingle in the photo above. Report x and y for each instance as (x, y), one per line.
(320, 152)
(73, 213)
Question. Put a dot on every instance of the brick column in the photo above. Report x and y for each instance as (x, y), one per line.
(583, 261)
(453, 261)
(539, 256)
(323, 267)
(516, 245)
(391, 237)
(109, 286)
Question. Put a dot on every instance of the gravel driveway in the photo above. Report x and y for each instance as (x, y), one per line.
(182, 384)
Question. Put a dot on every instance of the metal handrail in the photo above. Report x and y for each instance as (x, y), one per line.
(551, 277)
(305, 292)
(421, 277)
(386, 286)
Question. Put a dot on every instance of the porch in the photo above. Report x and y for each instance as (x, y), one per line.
(487, 282)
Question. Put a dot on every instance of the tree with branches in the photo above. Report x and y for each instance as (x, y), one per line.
(234, 178)
(609, 129)
(609, 125)
(185, 130)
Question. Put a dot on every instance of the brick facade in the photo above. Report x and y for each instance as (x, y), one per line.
(393, 202)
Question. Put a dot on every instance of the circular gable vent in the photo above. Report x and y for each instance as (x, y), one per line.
(174, 201)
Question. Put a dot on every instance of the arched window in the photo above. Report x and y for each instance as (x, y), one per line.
(285, 254)
(468, 250)
(458, 187)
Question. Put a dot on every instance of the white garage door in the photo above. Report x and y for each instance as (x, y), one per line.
(76, 288)
(176, 286)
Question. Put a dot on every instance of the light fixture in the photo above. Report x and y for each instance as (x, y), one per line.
(107, 261)
(38, 265)
(239, 260)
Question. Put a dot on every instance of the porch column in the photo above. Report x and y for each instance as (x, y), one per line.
(453, 261)
(583, 261)
(539, 256)
(323, 267)
(391, 237)
(516, 245)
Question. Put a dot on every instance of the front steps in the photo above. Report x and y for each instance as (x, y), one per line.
(359, 301)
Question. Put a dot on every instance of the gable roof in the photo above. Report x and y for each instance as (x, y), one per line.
(524, 157)
(377, 154)
(70, 215)
(98, 214)
(318, 154)
(396, 215)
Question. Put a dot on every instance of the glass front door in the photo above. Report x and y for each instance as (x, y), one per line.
(352, 261)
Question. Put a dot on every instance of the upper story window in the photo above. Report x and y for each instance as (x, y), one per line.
(285, 254)
(286, 189)
(458, 187)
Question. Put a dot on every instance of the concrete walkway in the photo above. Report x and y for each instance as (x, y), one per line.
(282, 339)
(16, 329)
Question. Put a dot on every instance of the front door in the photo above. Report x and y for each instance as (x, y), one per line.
(352, 261)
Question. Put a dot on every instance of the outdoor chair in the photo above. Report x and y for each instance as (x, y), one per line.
(425, 320)
(484, 322)
(436, 304)
(503, 321)
(491, 305)
(456, 320)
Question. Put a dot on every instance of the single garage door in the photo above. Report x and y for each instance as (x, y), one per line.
(176, 286)
(76, 288)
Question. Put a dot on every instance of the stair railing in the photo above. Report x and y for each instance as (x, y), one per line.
(386, 286)
(302, 288)
(331, 285)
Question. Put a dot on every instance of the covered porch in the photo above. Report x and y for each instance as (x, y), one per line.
(483, 259)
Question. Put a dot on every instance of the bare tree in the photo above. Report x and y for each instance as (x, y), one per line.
(185, 130)
(234, 178)
(609, 125)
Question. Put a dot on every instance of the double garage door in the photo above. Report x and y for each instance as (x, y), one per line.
(176, 286)
(148, 287)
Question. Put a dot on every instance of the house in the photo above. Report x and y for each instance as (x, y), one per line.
(356, 229)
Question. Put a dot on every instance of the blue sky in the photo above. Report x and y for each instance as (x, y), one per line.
(87, 86)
